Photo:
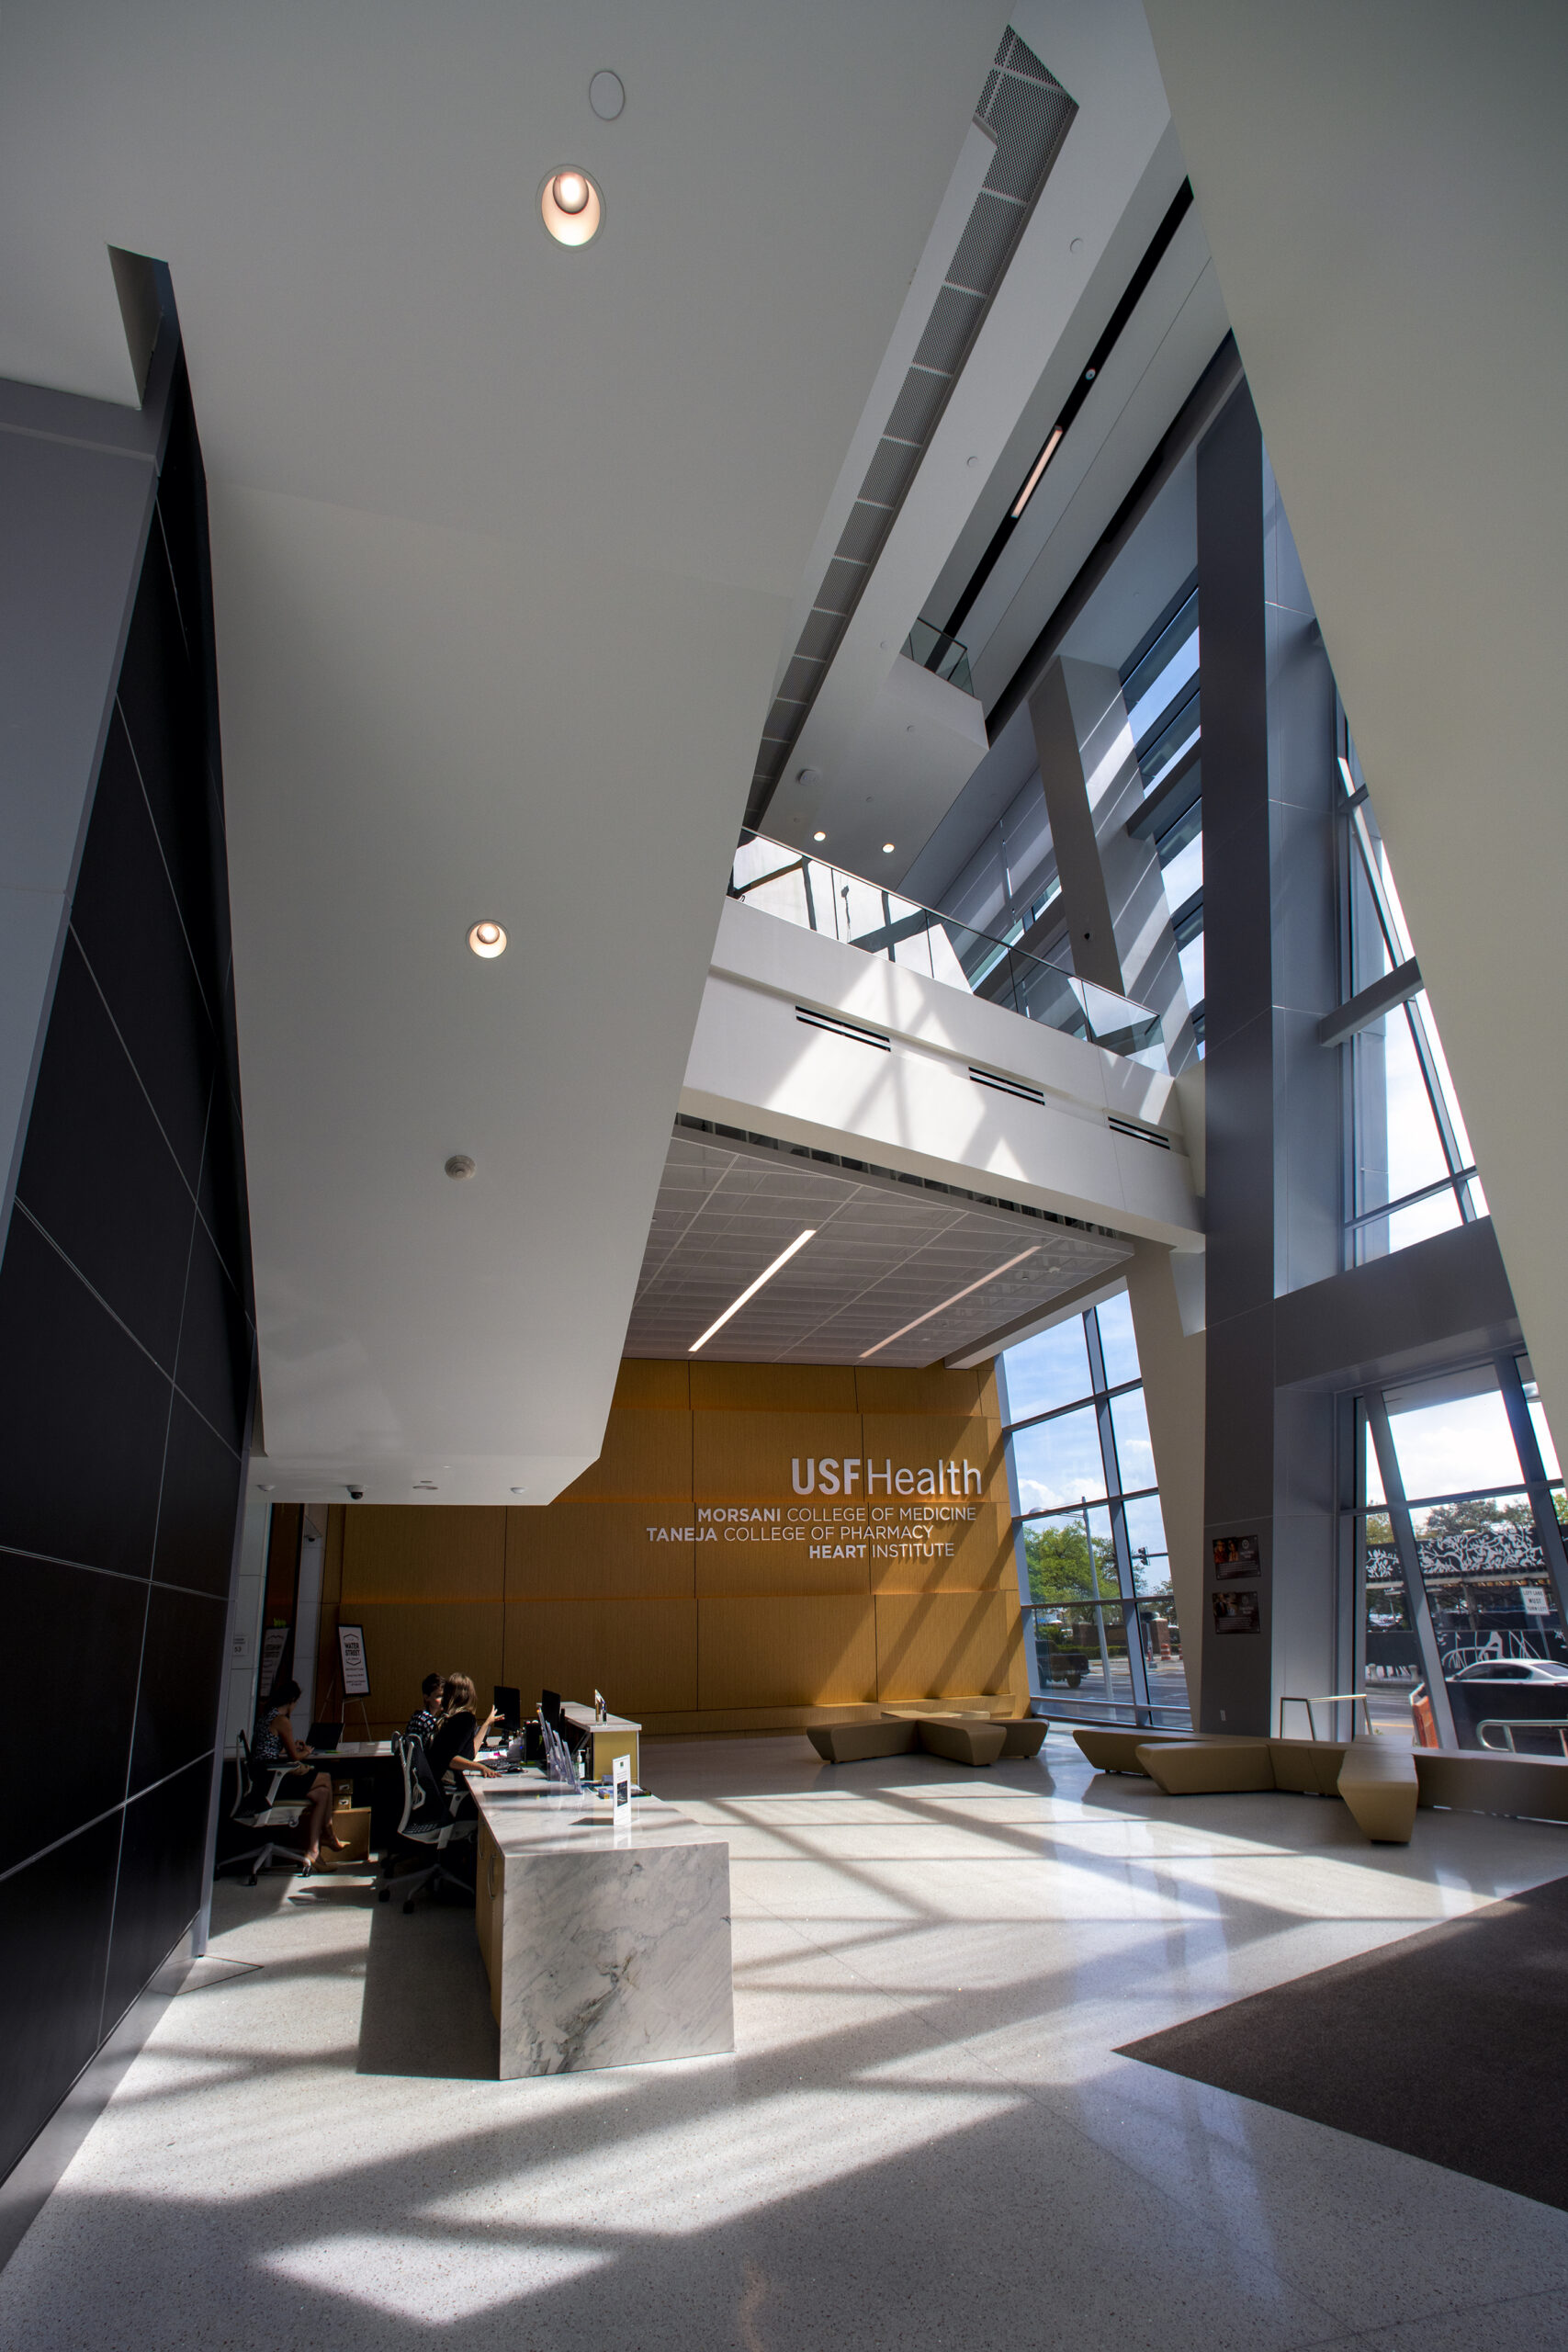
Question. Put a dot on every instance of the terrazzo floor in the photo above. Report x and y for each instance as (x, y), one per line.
(924, 2138)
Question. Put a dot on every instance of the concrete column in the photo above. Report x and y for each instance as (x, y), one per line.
(1118, 921)
(1273, 1149)
(1172, 1363)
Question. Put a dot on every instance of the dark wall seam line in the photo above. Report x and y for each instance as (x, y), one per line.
(13, 1870)
(66, 1260)
(162, 856)
(119, 1034)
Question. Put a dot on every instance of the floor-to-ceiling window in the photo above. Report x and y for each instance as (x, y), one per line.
(1460, 1554)
(1092, 1562)
(1410, 1170)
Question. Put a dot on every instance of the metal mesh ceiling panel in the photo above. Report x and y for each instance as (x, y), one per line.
(1028, 113)
(887, 1250)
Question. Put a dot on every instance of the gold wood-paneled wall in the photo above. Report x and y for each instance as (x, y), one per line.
(744, 1630)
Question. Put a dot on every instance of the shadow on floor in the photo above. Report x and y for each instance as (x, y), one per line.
(427, 2008)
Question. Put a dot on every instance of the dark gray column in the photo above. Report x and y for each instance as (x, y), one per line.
(1273, 1136)
(1119, 923)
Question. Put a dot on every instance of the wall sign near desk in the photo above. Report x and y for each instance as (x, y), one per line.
(351, 1657)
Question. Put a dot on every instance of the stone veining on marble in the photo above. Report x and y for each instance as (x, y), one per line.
(616, 1947)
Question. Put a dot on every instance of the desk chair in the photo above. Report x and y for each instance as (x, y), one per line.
(429, 1824)
(255, 1806)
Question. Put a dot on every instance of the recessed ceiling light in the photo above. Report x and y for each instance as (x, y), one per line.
(519, 1490)
(887, 849)
(488, 939)
(571, 208)
(946, 1303)
(607, 95)
(460, 1166)
(1040, 462)
(818, 837)
(753, 1288)
(263, 1488)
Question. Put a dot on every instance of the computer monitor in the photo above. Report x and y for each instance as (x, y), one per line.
(509, 1706)
(549, 1708)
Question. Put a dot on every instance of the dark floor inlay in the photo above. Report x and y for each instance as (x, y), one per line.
(1450, 2045)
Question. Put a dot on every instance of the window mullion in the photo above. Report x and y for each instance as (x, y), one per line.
(1409, 1559)
(1450, 1140)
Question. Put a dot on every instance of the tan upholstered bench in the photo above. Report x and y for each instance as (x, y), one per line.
(962, 1739)
(1483, 1780)
(1207, 1767)
(853, 1743)
(1378, 1783)
(1309, 1767)
(1112, 1749)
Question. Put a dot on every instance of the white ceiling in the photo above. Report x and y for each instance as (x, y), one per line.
(505, 539)
(1385, 191)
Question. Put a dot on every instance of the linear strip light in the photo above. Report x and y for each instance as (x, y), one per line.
(946, 1303)
(753, 1288)
(1040, 462)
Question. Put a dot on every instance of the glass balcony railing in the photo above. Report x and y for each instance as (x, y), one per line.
(942, 654)
(808, 890)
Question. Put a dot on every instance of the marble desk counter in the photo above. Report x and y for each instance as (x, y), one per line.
(607, 1944)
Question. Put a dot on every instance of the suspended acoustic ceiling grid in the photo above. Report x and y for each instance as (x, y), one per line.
(888, 1249)
(1026, 111)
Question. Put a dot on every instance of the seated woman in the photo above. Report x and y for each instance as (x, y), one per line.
(421, 1723)
(458, 1733)
(276, 1745)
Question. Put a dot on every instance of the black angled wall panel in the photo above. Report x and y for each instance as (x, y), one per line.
(127, 1355)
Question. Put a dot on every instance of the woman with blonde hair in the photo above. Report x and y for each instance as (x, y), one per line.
(455, 1745)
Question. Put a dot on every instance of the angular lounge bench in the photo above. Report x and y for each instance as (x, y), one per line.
(1381, 1781)
(1378, 1783)
(962, 1739)
(1376, 1777)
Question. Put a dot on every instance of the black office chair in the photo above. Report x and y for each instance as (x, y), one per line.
(256, 1806)
(429, 1824)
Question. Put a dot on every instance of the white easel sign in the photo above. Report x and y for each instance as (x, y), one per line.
(351, 1657)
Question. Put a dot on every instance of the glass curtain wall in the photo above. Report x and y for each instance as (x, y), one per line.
(1160, 685)
(1459, 1560)
(1093, 1569)
(1411, 1172)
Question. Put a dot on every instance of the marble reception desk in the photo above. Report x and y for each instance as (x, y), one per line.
(605, 1945)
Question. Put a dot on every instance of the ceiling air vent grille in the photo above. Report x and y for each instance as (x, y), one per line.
(1017, 1087)
(1026, 111)
(837, 1028)
(1139, 1134)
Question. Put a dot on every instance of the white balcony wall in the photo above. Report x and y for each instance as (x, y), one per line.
(754, 1065)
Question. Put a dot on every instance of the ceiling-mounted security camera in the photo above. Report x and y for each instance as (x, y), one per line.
(357, 1494)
